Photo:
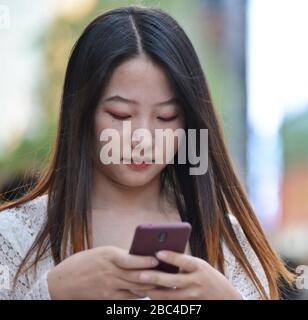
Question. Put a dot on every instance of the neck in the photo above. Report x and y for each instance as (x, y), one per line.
(108, 194)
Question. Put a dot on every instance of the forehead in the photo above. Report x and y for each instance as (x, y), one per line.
(139, 78)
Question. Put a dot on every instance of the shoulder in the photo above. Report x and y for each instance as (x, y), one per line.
(237, 228)
(235, 223)
(20, 225)
(234, 270)
(241, 237)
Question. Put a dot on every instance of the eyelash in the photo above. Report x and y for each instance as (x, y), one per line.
(127, 117)
(115, 116)
(167, 119)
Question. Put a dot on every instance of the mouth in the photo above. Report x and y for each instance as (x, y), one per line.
(140, 164)
(138, 161)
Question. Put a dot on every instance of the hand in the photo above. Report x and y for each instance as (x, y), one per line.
(106, 272)
(196, 280)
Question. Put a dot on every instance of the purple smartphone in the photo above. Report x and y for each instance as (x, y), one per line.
(150, 238)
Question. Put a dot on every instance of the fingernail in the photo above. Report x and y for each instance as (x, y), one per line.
(161, 255)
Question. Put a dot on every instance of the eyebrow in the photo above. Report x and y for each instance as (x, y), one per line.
(118, 98)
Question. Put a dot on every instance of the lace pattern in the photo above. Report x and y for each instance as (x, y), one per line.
(20, 225)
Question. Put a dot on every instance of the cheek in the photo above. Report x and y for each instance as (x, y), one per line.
(103, 121)
(171, 149)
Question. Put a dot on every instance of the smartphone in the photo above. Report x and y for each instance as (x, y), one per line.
(150, 238)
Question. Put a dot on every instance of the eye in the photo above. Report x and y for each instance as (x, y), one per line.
(118, 117)
(167, 119)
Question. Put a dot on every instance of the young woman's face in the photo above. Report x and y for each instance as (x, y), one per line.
(139, 92)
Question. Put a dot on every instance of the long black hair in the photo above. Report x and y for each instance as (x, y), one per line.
(202, 200)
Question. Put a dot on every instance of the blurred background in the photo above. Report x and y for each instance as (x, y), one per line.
(254, 55)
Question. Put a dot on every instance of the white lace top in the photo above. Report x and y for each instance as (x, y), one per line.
(19, 227)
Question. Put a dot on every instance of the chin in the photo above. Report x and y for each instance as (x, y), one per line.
(130, 178)
(133, 184)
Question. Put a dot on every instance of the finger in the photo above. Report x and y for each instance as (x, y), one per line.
(140, 294)
(123, 283)
(164, 279)
(130, 261)
(125, 294)
(170, 294)
(156, 278)
(184, 261)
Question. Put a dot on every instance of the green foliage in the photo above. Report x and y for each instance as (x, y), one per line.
(30, 156)
(294, 135)
(56, 43)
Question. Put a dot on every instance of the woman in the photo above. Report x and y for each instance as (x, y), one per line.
(69, 237)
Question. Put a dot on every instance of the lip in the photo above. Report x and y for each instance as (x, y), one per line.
(146, 161)
(138, 166)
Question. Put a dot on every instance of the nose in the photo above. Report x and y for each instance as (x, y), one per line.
(142, 133)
